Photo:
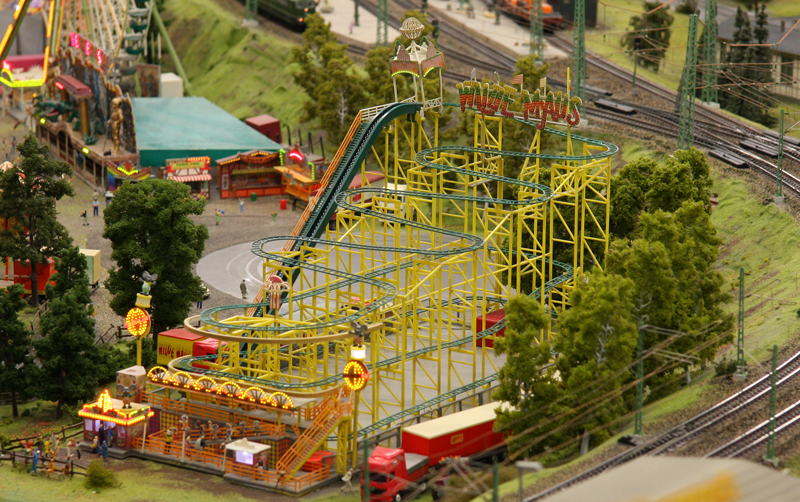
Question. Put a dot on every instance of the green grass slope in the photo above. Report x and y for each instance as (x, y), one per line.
(244, 71)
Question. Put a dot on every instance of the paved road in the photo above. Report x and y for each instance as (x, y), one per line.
(225, 269)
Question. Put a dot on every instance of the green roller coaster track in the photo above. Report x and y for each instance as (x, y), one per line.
(335, 195)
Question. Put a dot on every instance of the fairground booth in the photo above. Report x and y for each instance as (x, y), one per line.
(248, 173)
(116, 173)
(194, 172)
(301, 176)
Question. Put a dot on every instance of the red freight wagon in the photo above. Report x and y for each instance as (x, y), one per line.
(205, 347)
(395, 471)
(492, 318)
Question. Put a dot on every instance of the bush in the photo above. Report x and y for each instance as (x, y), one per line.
(72, 413)
(687, 7)
(725, 367)
(100, 476)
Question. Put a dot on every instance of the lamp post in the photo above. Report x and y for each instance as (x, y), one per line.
(523, 465)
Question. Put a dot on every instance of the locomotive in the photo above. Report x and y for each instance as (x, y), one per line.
(552, 20)
(291, 12)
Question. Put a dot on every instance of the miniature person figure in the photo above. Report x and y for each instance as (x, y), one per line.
(168, 440)
(228, 433)
(70, 447)
(198, 445)
(243, 289)
(101, 434)
(35, 461)
(217, 214)
(56, 446)
(85, 219)
(96, 207)
(241, 205)
(115, 123)
(243, 428)
(108, 196)
(39, 443)
(110, 435)
(105, 452)
(94, 447)
(256, 426)
(215, 431)
(51, 467)
(46, 448)
(348, 476)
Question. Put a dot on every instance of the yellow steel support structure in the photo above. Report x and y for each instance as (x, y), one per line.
(428, 344)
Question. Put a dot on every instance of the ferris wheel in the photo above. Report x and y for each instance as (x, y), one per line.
(113, 31)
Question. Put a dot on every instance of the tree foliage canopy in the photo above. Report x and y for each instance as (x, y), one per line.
(28, 195)
(652, 28)
(15, 342)
(150, 230)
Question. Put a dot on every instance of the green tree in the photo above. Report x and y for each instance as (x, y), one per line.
(645, 185)
(150, 230)
(532, 393)
(15, 345)
(732, 96)
(329, 78)
(762, 68)
(28, 195)
(596, 344)
(71, 275)
(653, 29)
(69, 360)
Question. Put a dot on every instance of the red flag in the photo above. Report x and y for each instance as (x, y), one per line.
(517, 79)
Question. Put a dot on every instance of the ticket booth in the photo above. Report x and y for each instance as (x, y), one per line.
(247, 453)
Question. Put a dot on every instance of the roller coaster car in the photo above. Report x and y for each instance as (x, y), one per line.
(759, 147)
(615, 107)
(521, 11)
(729, 158)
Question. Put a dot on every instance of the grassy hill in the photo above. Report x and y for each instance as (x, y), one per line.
(244, 71)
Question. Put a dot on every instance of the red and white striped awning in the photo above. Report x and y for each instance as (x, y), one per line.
(191, 177)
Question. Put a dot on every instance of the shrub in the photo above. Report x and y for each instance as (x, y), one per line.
(100, 476)
(725, 367)
(687, 7)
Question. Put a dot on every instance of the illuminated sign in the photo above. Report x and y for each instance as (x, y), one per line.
(137, 322)
(99, 55)
(104, 401)
(87, 48)
(74, 41)
(296, 155)
(356, 375)
(127, 172)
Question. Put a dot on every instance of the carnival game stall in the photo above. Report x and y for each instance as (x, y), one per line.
(116, 173)
(300, 177)
(126, 420)
(193, 171)
(248, 173)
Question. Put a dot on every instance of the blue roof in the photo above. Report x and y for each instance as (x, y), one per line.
(174, 128)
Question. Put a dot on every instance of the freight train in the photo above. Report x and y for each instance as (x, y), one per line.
(396, 472)
(520, 10)
(291, 12)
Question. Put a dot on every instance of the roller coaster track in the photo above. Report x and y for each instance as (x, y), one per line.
(335, 194)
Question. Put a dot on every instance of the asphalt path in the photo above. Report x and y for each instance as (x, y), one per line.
(225, 269)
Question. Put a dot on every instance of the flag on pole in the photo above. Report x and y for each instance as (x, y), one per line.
(517, 79)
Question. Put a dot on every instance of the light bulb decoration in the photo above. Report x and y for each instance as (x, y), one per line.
(103, 409)
(355, 374)
(138, 322)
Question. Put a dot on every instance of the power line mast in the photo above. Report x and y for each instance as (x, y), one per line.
(537, 30)
(578, 76)
(710, 92)
(773, 405)
(250, 13)
(383, 23)
(741, 369)
(688, 81)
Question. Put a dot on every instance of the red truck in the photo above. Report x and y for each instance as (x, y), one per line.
(395, 472)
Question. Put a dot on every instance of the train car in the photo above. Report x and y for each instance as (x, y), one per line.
(615, 107)
(521, 11)
(790, 140)
(291, 12)
(758, 146)
(729, 158)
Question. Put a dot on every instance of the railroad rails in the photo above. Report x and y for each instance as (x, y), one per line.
(686, 431)
(757, 436)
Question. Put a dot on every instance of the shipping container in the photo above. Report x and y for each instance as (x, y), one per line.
(492, 318)
(461, 434)
(94, 269)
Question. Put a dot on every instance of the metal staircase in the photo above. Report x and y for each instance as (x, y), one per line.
(330, 413)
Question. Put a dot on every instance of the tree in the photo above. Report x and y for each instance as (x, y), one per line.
(67, 354)
(596, 344)
(532, 393)
(15, 345)
(71, 276)
(329, 79)
(653, 29)
(28, 195)
(645, 185)
(762, 68)
(732, 97)
(150, 230)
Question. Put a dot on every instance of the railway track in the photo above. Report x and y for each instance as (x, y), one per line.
(757, 437)
(685, 432)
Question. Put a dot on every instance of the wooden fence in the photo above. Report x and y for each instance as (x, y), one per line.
(17, 443)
